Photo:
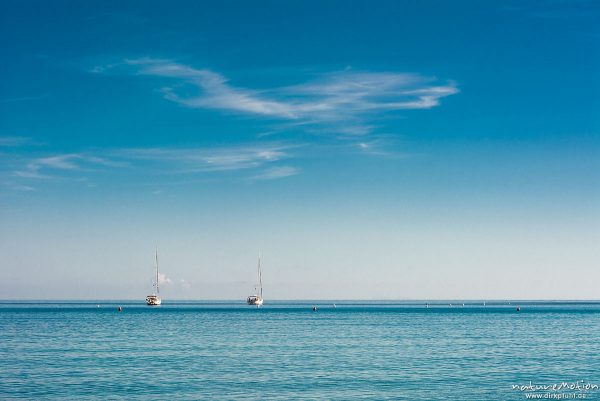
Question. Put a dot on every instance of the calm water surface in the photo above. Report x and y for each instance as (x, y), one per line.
(358, 350)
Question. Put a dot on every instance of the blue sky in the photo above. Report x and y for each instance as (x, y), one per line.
(395, 149)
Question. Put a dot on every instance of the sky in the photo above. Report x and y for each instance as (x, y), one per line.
(368, 150)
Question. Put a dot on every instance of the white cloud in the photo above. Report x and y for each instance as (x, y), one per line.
(34, 167)
(190, 160)
(216, 93)
(158, 161)
(61, 162)
(374, 148)
(163, 279)
(276, 172)
(347, 92)
(56, 165)
(383, 146)
(344, 101)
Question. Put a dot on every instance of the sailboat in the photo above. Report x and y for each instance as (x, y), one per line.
(257, 299)
(154, 298)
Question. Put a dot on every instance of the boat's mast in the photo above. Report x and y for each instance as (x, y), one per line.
(156, 263)
(259, 276)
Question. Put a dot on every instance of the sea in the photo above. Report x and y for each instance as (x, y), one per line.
(285, 350)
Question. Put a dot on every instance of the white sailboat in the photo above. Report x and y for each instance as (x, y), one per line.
(154, 298)
(257, 299)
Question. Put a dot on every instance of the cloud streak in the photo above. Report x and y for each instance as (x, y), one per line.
(199, 160)
(35, 167)
(274, 173)
(53, 166)
(343, 101)
(162, 161)
(215, 93)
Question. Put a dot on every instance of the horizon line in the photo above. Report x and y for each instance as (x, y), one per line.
(240, 300)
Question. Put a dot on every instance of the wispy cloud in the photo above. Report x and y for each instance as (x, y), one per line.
(55, 166)
(380, 146)
(190, 160)
(37, 167)
(347, 93)
(274, 173)
(145, 162)
(163, 279)
(215, 91)
(346, 102)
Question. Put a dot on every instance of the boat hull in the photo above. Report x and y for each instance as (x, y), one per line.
(153, 300)
(254, 300)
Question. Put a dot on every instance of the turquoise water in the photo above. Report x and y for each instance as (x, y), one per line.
(284, 350)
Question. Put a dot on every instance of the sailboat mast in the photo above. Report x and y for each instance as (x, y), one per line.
(156, 263)
(259, 276)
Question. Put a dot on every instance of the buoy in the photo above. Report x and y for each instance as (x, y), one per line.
(120, 309)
